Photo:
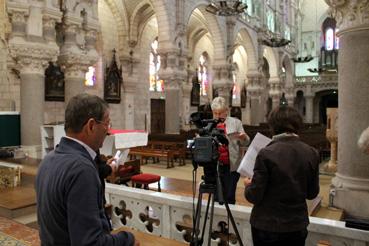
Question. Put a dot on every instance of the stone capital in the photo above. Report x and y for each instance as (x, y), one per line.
(76, 64)
(32, 57)
(350, 15)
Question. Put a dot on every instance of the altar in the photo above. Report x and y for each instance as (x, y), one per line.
(123, 139)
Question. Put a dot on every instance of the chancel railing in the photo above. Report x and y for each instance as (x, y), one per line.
(170, 216)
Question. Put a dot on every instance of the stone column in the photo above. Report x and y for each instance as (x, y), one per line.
(76, 60)
(352, 178)
(290, 95)
(275, 91)
(130, 69)
(254, 93)
(223, 82)
(309, 108)
(31, 54)
(174, 74)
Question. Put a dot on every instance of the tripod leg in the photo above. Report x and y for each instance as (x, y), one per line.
(233, 223)
(196, 221)
(206, 215)
(211, 218)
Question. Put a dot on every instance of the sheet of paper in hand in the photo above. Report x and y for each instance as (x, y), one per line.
(246, 167)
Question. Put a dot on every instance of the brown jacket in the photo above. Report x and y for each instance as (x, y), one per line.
(286, 173)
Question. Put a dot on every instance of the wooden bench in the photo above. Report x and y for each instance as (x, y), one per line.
(146, 153)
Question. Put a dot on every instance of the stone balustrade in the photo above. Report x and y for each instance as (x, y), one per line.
(167, 215)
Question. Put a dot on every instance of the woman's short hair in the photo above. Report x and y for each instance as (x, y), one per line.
(363, 141)
(81, 108)
(218, 103)
(284, 119)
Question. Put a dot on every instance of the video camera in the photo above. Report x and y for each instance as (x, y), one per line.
(205, 147)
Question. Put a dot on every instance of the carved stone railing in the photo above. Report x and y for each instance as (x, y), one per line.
(170, 216)
(317, 83)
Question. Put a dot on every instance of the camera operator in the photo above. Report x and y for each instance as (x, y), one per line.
(230, 156)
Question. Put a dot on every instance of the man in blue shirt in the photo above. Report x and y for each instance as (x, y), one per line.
(70, 207)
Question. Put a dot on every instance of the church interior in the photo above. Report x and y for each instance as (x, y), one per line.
(156, 62)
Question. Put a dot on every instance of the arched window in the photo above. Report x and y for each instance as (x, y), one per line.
(203, 75)
(330, 39)
(90, 76)
(156, 84)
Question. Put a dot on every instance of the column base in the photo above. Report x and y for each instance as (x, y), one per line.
(351, 195)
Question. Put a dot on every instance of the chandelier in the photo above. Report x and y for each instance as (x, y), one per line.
(276, 42)
(303, 59)
(226, 7)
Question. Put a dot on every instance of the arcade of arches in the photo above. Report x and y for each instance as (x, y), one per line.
(164, 59)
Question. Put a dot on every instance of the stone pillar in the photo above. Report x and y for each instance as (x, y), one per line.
(223, 82)
(309, 108)
(172, 107)
(254, 93)
(130, 69)
(76, 59)
(331, 134)
(352, 178)
(31, 50)
(275, 91)
(174, 74)
(290, 95)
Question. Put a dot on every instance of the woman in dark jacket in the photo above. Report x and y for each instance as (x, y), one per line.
(286, 173)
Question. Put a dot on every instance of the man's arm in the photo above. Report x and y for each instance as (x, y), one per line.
(254, 190)
(85, 224)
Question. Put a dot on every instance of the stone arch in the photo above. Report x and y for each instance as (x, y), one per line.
(244, 39)
(212, 26)
(140, 16)
(271, 57)
(121, 21)
(164, 24)
(286, 62)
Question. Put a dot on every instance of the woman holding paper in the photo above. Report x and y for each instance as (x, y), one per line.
(286, 173)
(229, 157)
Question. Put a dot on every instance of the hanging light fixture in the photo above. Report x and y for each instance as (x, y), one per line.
(276, 42)
(226, 7)
(303, 59)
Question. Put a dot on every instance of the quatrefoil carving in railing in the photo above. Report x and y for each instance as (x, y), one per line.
(223, 234)
(149, 218)
(185, 227)
(123, 212)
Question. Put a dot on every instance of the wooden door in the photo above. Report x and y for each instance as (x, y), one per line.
(157, 116)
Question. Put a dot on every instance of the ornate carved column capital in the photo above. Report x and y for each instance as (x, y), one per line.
(349, 14)
(48, 28)
(18, 21)
(32, 58)
(76, 64)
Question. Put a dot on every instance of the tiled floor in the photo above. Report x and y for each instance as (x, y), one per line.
(18, 234)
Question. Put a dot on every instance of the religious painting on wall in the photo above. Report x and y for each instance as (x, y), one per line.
(54, 83)
(112, 82)
(195, 92)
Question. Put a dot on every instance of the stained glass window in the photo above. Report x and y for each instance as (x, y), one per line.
(156, 84)
(235, 90)
(329, 39)
(203, 76)
(90, 77)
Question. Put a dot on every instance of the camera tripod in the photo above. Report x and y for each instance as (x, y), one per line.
(212, 190)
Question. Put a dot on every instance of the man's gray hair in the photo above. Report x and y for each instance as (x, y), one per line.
(363, 142)
(81, 108)
(218, 103)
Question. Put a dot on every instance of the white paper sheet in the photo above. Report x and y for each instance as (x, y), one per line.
(246, 167)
